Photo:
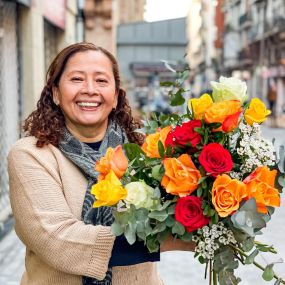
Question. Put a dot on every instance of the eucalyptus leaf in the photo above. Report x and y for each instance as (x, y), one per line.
(158, 172)
(160, 227)
(152, 244)
(158, 215)
(178, 228)
(170, 221)
(251, 257)
(268, 273)
(227, 277)
(117, 229)
(130, 233)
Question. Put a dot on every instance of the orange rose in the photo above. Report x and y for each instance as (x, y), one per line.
(181, 176)
(260, 185)
(227, 194)
(150, 146)
(226, 113)
(115, 160)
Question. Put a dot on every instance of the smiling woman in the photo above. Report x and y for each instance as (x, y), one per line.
(82, 112)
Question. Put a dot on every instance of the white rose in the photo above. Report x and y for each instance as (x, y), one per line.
(139, 194)
(229, 89)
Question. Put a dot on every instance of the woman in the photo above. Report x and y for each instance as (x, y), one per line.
(82, 111)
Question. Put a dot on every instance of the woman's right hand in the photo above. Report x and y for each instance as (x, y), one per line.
(171, 244)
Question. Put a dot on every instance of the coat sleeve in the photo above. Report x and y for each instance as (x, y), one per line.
(45, 223)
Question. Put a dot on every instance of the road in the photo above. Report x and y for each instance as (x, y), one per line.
(175, 267)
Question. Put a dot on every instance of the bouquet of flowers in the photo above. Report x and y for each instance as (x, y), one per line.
(206, 175)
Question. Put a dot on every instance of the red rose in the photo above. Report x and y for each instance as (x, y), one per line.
(215, 159)
(189, 213)
(184, 134)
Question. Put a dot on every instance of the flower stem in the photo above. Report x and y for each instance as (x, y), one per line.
(215, 277)
(210, 271)
(255, 263)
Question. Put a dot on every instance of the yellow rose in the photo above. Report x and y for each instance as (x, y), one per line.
(227, 194)
(198, 106)
(256, 112)
(109, 191)
(150, 146)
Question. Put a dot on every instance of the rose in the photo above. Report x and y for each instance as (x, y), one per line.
(226, 113)
(184, 134)
(109, 191)
(189, 212)
(227, 194)
(198, 106)
(260, 185)
(257, 112)
(181, 176)
(114, 159)
(215, 159)
(150, 146)
(140, 195)
(229, 89)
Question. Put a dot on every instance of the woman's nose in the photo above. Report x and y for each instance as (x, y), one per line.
(91, 87)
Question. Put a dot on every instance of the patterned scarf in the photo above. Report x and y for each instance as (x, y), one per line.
(85, 158)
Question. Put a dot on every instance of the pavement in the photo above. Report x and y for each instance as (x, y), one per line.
(176, 268)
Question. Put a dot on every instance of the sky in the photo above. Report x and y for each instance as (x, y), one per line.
(157, 10)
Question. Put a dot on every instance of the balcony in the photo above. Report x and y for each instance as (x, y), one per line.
(245, 21)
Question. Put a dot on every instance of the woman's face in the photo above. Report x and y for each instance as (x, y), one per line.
(87, 94)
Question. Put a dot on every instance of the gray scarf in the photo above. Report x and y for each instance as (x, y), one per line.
(85, 158)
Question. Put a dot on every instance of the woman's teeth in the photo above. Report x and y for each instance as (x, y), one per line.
(88, 104)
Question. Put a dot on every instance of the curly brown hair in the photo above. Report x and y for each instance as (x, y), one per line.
(47, 122)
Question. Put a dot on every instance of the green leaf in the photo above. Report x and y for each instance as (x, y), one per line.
(281, 180)
(152, 244)
(171, 209)
(199, 191)
(117, 229)
(160, 227)
(158, 172)
(130, 233)
(158, 215)
(177, 98)
(178, 228)
(187, 237)
(251, 257)
(268, 273)
(160, 149)
(170, 221)
(132, 150)
(167, 84)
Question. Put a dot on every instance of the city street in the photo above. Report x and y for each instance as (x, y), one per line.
(175, 267)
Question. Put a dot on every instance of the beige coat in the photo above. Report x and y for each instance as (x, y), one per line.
(47, 193)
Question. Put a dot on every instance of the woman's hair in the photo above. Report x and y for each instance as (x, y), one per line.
(47, 122)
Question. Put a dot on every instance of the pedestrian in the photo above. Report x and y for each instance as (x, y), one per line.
(81, 112)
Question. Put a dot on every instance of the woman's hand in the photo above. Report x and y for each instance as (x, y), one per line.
(176, 244)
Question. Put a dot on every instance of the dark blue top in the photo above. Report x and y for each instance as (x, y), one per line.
(123, 253)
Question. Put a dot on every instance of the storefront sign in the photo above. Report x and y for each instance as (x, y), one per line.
(54, 11)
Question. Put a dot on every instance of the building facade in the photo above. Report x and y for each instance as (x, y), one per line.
(205, 33)
(31, 33)
(254, 47)
(142, 50)
(103, 16)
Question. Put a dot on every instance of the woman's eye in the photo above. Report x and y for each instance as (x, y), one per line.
(76, 79)
(101, 80)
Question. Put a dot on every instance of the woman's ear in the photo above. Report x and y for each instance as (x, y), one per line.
(55, 95)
